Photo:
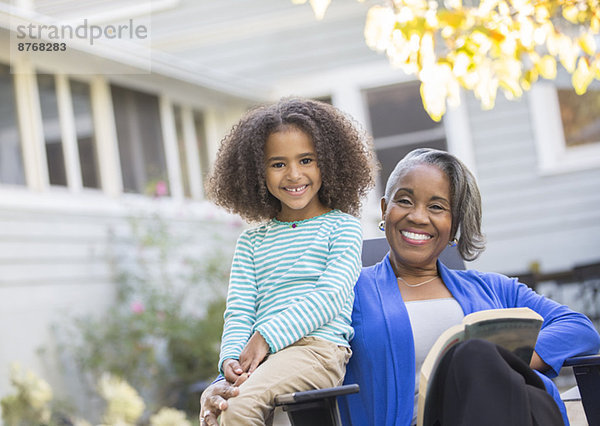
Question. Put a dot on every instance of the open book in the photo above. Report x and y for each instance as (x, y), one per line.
(516, 329)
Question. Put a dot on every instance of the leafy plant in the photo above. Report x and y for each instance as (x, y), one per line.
(163, 332)
(483, 46)
(30, 404)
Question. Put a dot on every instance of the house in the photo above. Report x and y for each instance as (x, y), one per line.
(143, 93)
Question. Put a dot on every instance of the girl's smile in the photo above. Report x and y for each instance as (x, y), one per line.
(293, 175)
(297, 190)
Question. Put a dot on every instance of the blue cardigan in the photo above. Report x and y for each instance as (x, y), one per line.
(383, 359)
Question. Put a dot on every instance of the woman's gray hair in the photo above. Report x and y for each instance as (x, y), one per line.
(465, 198)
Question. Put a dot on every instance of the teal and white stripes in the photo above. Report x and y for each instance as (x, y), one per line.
(289, 283)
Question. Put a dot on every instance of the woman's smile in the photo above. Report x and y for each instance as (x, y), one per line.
(415, 237)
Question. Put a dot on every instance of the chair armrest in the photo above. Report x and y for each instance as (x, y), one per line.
(586, 369)
(314, 407)
(582, 360)
(316, 394)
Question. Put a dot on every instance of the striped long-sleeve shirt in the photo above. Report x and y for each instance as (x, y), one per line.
(290, 282)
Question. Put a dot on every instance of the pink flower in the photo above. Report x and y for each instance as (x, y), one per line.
(235, 223)
(161, 189)
(137, 307)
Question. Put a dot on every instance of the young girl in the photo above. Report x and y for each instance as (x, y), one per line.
(303, 167)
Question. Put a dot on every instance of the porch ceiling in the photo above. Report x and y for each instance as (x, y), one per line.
(250, 43)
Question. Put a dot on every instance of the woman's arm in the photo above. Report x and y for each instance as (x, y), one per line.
(537, 363)
(564, 333)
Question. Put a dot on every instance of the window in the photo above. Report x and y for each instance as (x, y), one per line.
(580, 116)
(399, 124)
(181, 147)
(84, 129)
(11, 157)
(327, 99)
(191, 146)
(52, 131)
(139, 136)
(566, 126)
(201, 142)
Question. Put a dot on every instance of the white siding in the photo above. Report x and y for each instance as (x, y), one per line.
(551, 220)
(54, 264)
(40, 248)
(51, 264)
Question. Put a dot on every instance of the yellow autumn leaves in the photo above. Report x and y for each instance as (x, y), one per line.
(496, 45)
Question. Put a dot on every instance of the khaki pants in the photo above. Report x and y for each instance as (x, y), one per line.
(310, 363)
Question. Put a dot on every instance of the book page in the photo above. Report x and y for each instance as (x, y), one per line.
(501, 313)
(514, 329)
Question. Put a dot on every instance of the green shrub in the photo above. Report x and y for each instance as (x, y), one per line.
(163, 332)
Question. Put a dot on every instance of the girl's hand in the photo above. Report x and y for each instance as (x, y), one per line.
(232, 370)
(214, 400)
(253, 354)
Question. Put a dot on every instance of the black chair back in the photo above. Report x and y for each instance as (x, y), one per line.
(374, 250)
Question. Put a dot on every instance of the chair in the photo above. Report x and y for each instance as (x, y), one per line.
(308, 408)
(319, 407)
(587, 374)
(314, 407)
(373, 251)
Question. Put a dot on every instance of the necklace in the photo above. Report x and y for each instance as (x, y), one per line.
(415, 285)
(296, 223)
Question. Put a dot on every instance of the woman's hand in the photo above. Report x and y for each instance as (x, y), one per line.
(254, 352)
(214, 400)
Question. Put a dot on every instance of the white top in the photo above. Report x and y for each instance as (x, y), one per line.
(429, 319)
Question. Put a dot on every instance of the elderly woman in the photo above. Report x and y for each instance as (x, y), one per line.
(407, 300)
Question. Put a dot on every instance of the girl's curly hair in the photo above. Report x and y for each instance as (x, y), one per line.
(344, 156)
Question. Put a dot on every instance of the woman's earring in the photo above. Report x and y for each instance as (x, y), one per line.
(381, 226)
(453, 242)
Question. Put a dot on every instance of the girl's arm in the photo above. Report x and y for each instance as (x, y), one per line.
(333, 291)
(239, 315)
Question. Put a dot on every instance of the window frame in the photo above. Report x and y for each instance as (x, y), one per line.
(194, 155)
(18, 130)
(68, 80)
(554, 156)
(404, 139)
(31, 138)
(173, 155)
